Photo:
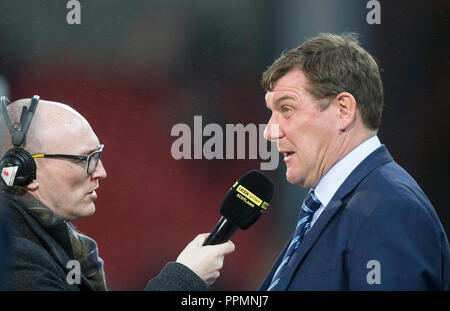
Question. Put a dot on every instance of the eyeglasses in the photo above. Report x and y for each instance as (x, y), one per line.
(91, 159)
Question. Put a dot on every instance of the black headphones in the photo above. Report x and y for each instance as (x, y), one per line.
(17, 165)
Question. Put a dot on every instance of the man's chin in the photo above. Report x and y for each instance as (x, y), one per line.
(91, 210)
(291, 177)
(86, 212)
(296, 178)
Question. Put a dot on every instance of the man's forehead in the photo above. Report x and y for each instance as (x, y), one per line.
(291, 85)
(72, 145)
(276, 96)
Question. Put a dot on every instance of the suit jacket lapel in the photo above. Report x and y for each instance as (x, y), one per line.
(375, 159)
(266, 283)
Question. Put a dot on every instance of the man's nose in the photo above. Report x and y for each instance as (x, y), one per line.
(100, 172)
(273, 130)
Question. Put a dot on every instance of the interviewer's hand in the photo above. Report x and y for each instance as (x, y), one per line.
(205, 261)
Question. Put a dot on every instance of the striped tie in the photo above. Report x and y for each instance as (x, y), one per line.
(310, 205)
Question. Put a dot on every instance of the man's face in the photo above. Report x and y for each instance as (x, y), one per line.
(64, 185)
(305, 134)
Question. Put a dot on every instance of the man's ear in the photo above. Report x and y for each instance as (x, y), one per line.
(32, 186)
(346, 108)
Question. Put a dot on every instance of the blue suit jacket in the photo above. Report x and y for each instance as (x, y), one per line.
(379, 232)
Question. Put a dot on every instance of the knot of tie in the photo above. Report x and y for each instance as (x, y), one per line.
(309, 206)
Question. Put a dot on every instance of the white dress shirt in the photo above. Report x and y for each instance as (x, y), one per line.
(338, 173)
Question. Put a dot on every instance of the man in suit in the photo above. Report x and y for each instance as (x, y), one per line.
(365, 224)
(50, 182)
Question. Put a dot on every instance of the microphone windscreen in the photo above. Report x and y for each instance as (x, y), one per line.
(247, 199)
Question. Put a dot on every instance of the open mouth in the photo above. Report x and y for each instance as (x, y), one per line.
(287, 155)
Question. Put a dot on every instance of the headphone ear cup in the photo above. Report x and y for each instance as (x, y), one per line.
(26, 171)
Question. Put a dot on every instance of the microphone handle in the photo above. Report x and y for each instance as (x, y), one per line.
(221, 233)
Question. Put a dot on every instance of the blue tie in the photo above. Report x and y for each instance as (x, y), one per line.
(310, 205)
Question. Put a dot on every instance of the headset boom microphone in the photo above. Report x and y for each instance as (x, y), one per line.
(244, 203)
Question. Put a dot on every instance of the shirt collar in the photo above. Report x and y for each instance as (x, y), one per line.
(336, 175)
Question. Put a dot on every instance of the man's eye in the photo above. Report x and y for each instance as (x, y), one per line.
(285, 109)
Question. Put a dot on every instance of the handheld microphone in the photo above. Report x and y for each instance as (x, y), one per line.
(243, 204)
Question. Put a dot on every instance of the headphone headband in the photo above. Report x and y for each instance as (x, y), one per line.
(17, 165)
(18, 135)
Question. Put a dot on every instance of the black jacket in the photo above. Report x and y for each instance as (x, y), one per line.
(38, 255)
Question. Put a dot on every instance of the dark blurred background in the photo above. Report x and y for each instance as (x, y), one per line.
(135, 69)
